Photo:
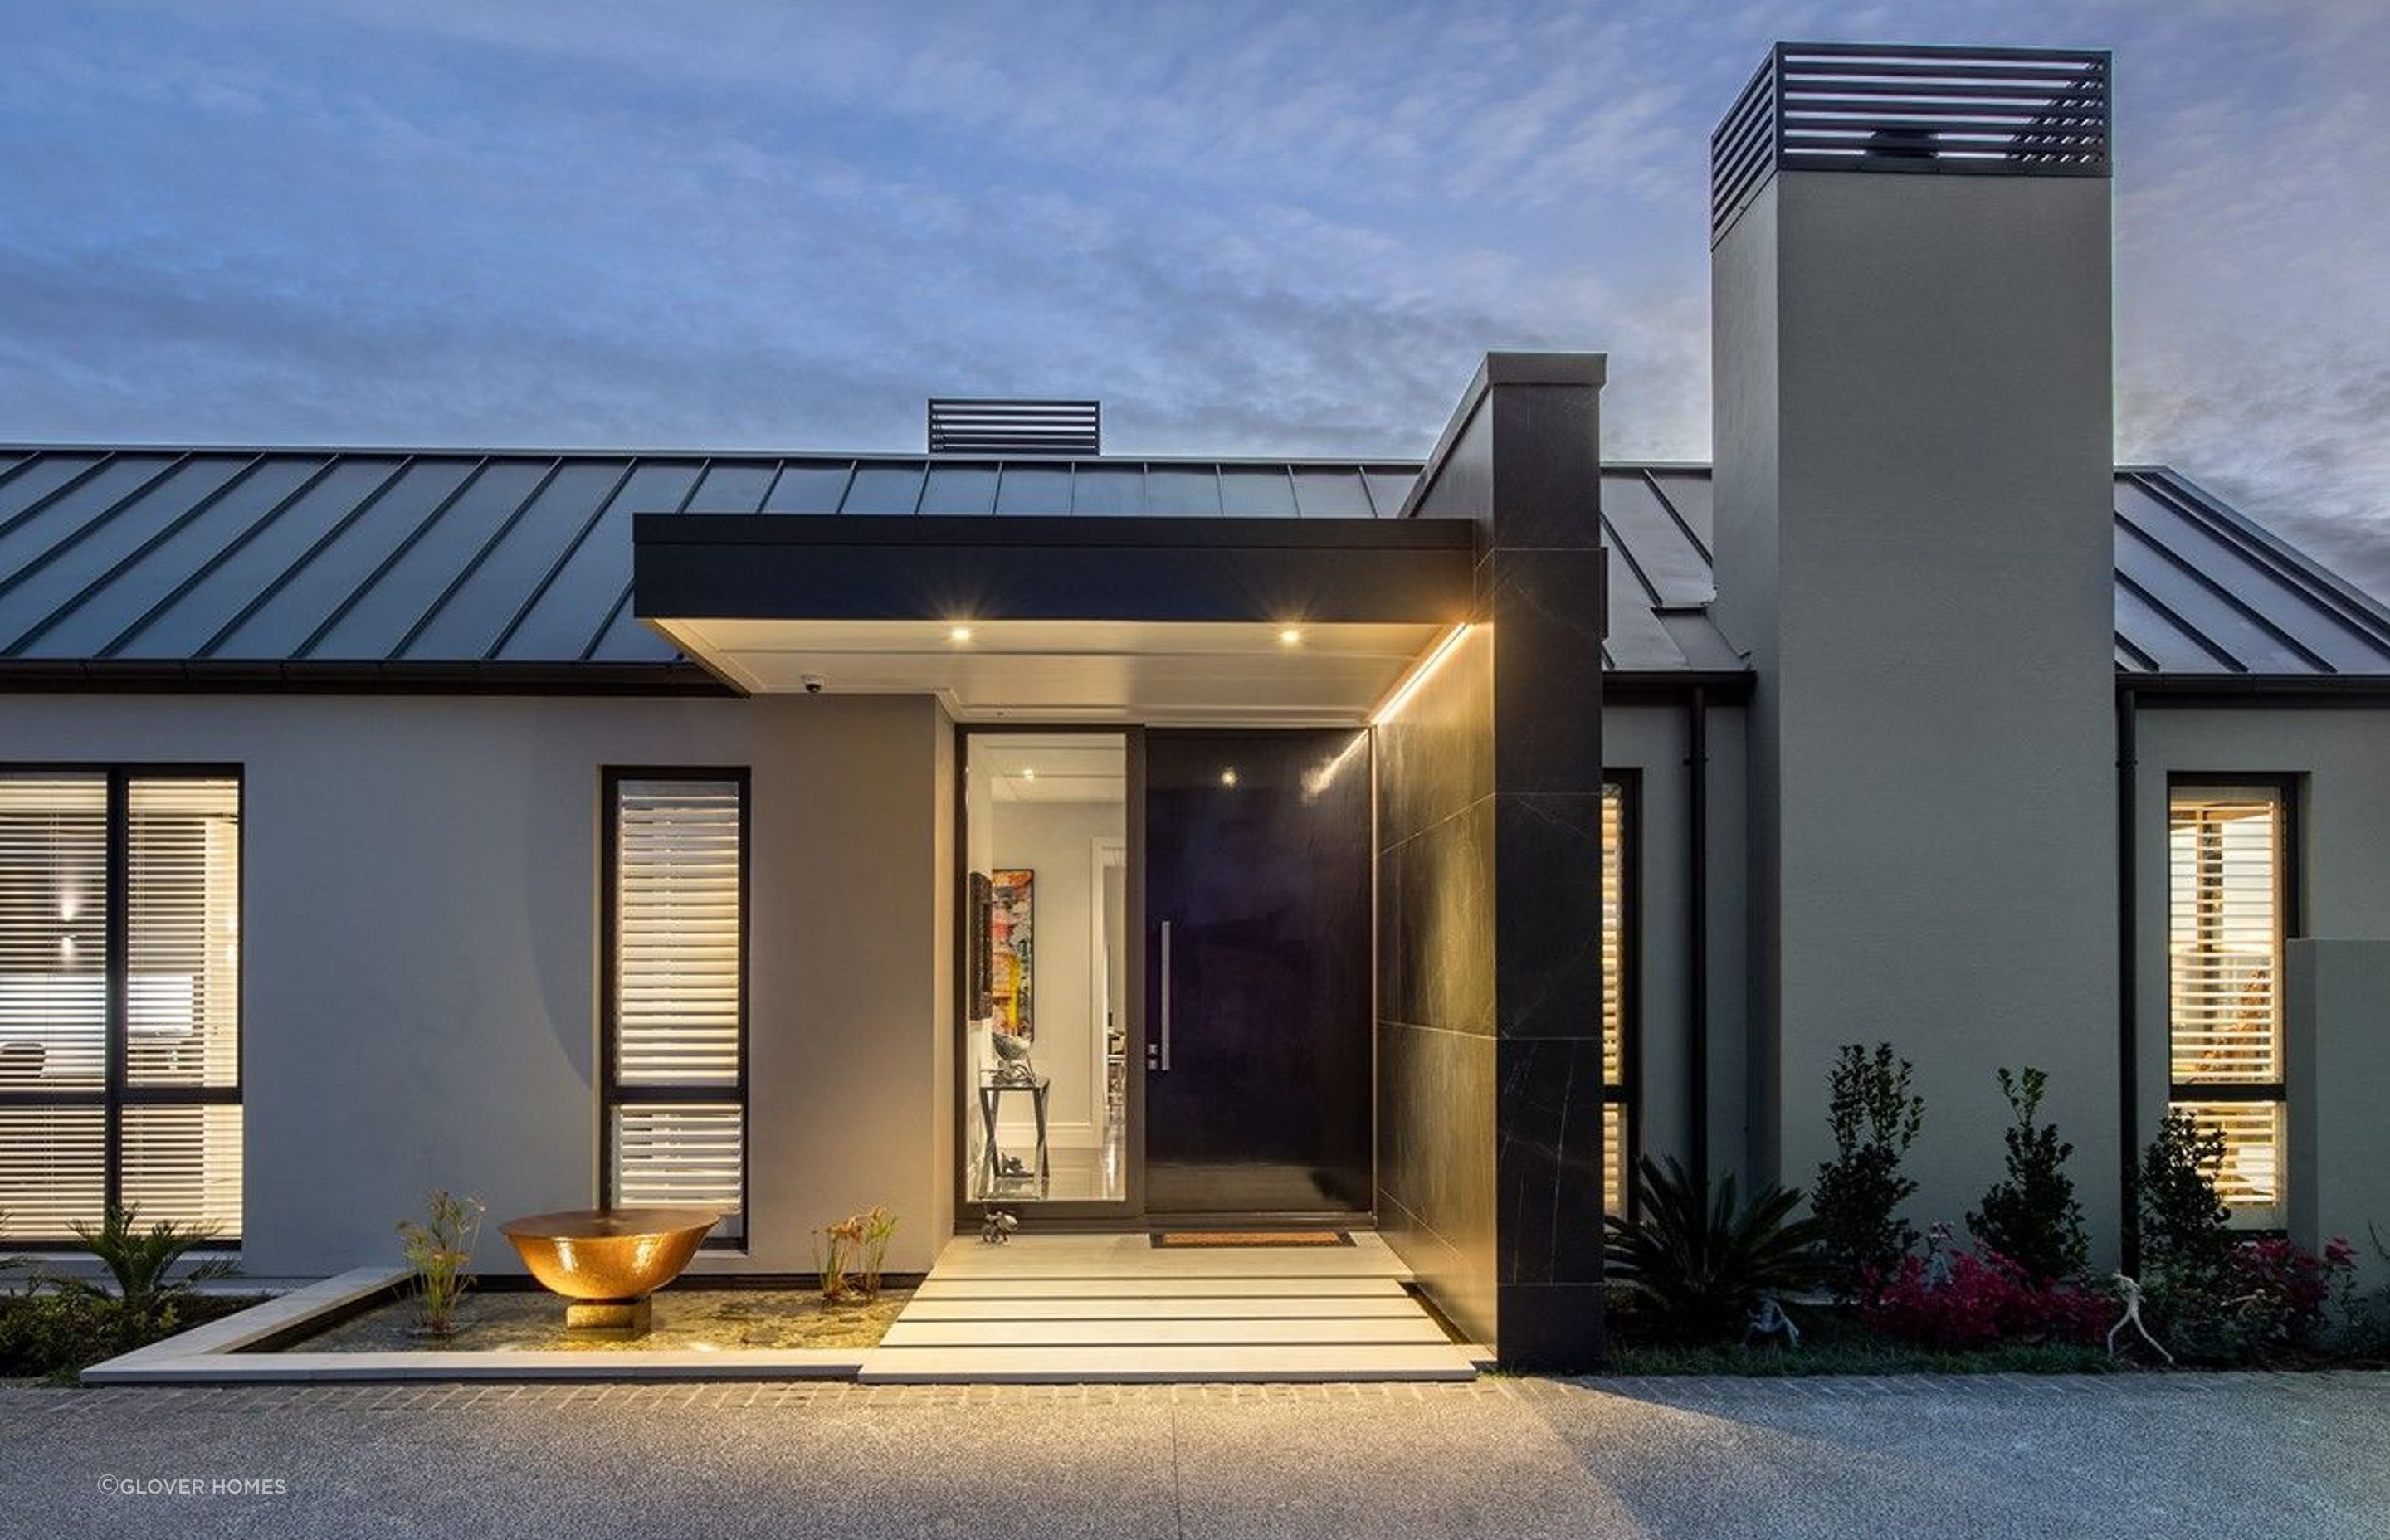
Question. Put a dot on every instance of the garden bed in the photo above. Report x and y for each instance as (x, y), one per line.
(685, 1319)
(1834, 1341)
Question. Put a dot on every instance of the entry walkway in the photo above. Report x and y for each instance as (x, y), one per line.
(1117, 1308)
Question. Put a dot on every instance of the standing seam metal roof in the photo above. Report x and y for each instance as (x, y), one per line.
(448, 557)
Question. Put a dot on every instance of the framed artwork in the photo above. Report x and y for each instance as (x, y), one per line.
(1011, 937)
(978, 985)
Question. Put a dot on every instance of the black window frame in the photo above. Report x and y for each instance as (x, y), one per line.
(115, 1093)
(611, 1093)
(2289, 882)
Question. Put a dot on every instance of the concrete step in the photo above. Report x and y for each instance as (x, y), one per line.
(942, 1285)
(1178, 1308)
(1150, 1363)
(1242, 1332)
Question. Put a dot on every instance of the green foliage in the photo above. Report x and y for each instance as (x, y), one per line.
(57, 1333)
(1696, 1267)
(2184, 1234)
(440, 1248)
(848, 1257)
(2032, 1218)
(1875, 1118)
(141, 1261)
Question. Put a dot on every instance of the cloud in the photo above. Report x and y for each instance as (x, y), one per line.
(1250, 227)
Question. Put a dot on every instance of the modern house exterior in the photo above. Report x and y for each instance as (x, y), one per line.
(1388, 843)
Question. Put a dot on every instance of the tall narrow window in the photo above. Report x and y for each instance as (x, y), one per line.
(119, 999)
(1617, 996)
(2230, 895)
(675, 1085)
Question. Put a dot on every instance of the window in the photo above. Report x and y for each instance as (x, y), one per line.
(1618, 994)
(119, 998)
(2229, 897)
(673, 1086)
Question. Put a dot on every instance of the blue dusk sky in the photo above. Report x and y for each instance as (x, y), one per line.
(1272, 228)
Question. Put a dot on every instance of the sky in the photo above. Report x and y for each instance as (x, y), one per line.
(1272, 228)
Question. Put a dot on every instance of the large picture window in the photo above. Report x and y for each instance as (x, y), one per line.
(119, 998)
(1618, 994)
(2231, 897)
(673, 1086)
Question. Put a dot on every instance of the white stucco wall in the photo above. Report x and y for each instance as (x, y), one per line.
(420, 925)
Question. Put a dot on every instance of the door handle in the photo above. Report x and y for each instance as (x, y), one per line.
(1163, 1063)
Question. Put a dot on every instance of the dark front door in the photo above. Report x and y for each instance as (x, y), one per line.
(1258, 919)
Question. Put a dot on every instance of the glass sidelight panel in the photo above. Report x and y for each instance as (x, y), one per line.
(1045, 1102)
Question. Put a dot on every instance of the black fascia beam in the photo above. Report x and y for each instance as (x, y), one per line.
(1152, 568)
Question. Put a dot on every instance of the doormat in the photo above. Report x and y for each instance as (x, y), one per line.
(1193, 1239)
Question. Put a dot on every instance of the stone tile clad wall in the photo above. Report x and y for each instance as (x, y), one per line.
(1490, 804)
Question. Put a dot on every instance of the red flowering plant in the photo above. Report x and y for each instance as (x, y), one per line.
(1963, 1300)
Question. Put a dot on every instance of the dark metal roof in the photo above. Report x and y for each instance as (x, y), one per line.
(398, 563)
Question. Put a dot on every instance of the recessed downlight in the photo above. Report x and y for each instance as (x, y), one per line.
(1228, 776)
(959, 633)
(1291, 635)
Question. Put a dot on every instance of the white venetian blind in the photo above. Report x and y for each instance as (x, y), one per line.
(678, 997)
(669, 1153)
(2225, 935)
(1616, 1184)
(2226, 925)
(52, 1171)
(183, 1162)
(53, 933)
(1613, 935)
(676, 964)
(183, 913)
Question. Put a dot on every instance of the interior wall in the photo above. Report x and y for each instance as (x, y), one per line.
(1057, 841)
(421, 934)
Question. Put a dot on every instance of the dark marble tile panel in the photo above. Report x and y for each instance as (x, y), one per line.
(1548, 1160)
(1550, 1326)
(1546, 608)
(1547, 909)
(1547, 466)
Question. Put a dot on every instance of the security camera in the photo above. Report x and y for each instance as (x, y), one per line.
(814, 684)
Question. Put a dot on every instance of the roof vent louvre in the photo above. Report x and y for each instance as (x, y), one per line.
(1864, 107)
(961, 427)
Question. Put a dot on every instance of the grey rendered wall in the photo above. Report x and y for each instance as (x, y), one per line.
(420, 926)
(1914, 540)
(1651, 741)
(2338, 1055)
(2343, 760)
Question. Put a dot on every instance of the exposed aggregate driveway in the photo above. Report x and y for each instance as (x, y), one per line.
(2302, 1457)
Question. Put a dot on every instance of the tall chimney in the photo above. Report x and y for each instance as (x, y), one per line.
(1914, 542)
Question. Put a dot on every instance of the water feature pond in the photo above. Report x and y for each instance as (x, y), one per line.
(686, 1320)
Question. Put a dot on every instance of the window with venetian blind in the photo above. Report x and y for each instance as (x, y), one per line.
(119, 999)
(1618, 994)
(674, 1079)
(2230, 905)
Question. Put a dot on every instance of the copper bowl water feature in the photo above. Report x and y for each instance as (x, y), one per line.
(606, 1262)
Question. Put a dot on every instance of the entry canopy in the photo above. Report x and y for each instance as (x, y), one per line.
(1162, 619)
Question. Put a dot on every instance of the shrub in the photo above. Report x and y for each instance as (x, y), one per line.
(2269, 1298)
(140, 1259)
(2184, 1233)
(2032, 1218)
(1970, 1300)
(1699, 1266)
(1860, 1191)
(440, 1248)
